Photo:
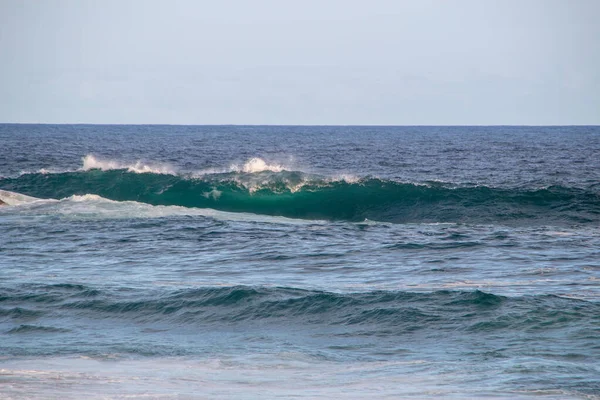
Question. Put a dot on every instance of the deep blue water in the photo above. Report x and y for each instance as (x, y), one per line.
(282, 261)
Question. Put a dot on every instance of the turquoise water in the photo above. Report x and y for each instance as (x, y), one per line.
(231, 261)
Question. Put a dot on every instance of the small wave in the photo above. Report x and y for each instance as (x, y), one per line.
(32, 329)
(382, 311)
(19, 313)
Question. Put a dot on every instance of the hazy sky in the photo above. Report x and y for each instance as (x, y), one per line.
(421, 62)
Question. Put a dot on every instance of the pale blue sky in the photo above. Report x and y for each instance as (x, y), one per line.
(421, 62)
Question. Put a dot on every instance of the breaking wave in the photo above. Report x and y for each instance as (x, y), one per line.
(259, 188)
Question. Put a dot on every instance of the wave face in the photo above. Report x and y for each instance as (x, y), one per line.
(299, 195)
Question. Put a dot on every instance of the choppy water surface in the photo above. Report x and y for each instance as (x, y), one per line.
(219, 262)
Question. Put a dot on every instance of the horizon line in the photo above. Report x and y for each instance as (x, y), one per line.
(303, 125)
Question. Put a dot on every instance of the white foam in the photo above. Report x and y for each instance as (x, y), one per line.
(91, 162)
(214, 194)
(88, 197)
(92, 206)
(210, 171)
(15, 199)
(257, 164)
(284, 374)
(47, 171)
(256, 183)
(348, 178)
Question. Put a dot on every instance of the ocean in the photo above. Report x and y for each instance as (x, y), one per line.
(309, 262)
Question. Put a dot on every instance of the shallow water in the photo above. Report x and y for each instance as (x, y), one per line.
(390, 262)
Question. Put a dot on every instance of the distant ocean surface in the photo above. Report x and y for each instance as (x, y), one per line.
(299, 262)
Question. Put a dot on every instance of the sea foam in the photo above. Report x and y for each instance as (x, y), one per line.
(15, 199)
(92, 206)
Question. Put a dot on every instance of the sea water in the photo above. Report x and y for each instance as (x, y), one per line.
(299, 262)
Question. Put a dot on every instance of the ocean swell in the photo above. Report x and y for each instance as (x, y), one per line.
(299, 195)
(380, 310)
